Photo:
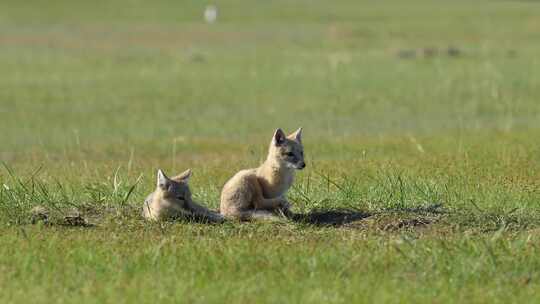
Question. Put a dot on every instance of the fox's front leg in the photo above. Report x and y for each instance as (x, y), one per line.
(285, 207)
(270, 204)
(279, 204)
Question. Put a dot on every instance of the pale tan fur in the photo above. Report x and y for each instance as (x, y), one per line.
(172, 199)
(260, 192)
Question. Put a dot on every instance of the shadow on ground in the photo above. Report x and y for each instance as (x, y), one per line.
(335, 218)
(387, 220)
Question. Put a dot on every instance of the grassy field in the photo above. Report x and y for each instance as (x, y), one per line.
(420, 117)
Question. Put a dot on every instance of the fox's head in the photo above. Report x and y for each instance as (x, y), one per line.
(288, 150)
(175, 189)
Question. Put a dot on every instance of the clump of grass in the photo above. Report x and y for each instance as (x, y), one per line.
(380, 192)
(401, 201)
(20, 195)
(114, 191)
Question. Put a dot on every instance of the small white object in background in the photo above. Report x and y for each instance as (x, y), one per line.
(210, 14)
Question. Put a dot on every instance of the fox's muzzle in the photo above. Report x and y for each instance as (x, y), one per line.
(301, 165)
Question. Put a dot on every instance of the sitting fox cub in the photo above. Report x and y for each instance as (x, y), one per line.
(172, 198)
(260, 193)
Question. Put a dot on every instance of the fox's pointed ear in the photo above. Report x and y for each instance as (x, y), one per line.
(183, 177)
(162, 179)
(279, 137)
(296, 135)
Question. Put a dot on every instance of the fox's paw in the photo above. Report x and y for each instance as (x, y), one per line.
(286, 204)
(216, 217)
(285, 208)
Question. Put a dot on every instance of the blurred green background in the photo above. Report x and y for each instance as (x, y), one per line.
(407, 106)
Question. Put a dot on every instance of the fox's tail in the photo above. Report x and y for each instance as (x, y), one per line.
(204, 213)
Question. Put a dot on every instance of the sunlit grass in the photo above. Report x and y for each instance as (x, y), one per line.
(420, 119)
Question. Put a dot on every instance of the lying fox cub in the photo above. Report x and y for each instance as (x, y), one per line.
(172, 199)
(260, 193)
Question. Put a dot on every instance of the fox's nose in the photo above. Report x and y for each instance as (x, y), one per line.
(302, 165)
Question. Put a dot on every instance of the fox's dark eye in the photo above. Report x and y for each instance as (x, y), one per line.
(290, 154)
(180, 197)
